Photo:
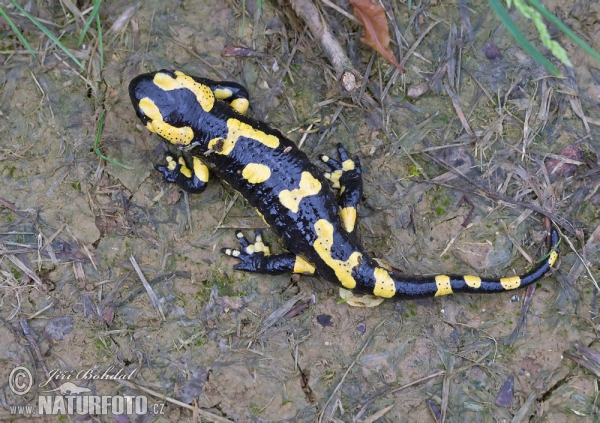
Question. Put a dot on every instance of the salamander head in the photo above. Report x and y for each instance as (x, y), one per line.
(170, 104)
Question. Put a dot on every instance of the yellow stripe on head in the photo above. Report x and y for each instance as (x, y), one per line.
(203, 93)
(156, 124)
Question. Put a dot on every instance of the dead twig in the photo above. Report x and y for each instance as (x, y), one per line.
(36, 349)
(345, 72)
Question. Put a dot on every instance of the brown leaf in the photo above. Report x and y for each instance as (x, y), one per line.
(377, 35)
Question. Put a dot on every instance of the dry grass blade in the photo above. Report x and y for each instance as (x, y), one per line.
(149, 289)
(339, 385)
(480, 190)
(17, 262)
(229, 206)
(204, 414)
(391, 390)
(378, 415)
(586, 357)
(377, 34)
(340, 10)
(590, 246)
(524, 410)
(280, 312)
(459, 112)
(123, 19)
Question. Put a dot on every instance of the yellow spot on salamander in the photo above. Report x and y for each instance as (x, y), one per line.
(472, 281)
(223, 93)
(309, 185)
(322, 245)
(334, 178)
(511, 282)
(171, 164)
(173, 134)
(237, 129)
(552, 258)
(348, 165)
(443, 285)
(258, 247)
(240, 105)
(184, 169)
(232, 253)
(203, 93)
(200, 170)
(384, 284)
(348, 215)
(255, 173)
(302, 266)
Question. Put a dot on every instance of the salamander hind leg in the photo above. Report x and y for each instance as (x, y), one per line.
(346, 175)
(192, 179)
(256, 257)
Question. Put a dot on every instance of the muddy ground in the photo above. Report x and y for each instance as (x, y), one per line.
(232, 346)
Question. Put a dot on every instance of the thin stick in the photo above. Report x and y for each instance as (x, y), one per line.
(36, 349)
(149, 289)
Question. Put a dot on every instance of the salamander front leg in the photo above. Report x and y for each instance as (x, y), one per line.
(347, 177)
(176, 171)
(257, 258)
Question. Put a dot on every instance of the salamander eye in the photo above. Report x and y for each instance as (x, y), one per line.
(141, 115)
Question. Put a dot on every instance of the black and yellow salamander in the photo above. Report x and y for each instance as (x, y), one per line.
(204, 123)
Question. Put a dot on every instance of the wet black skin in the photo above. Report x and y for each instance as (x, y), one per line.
(180, 108)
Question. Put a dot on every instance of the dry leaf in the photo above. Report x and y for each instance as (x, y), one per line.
(364, 301)
(377, 35)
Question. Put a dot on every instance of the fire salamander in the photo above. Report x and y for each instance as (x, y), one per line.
(205, 125)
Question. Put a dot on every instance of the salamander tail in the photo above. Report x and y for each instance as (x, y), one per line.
(416, 286)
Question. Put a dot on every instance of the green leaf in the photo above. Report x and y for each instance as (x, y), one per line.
(97, 142)
(100, 43)
(19, 35)
(514, 30)
(48, 34)
(553, 19)
(93, 14)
